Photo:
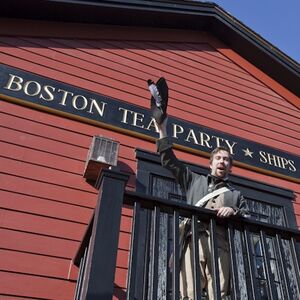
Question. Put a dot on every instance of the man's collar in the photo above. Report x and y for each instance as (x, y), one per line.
(216, 179)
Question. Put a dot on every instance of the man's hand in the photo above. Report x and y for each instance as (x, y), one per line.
(162, 128)
(159, 99)
(224, 212)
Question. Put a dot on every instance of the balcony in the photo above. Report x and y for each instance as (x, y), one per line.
(264, 260)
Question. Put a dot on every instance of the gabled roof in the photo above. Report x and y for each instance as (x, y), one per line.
(174, 14)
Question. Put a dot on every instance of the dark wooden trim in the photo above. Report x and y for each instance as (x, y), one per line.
(103, 246)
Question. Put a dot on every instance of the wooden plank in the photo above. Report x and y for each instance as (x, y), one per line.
(6, 297)
(121, 277)
(37, 244)
(38, 142)
(33, 156)
(191, 103)
(124, 240)
(52, 132)
(255, 72)
(45, 130)
(45, 207)
(32, 264)
(90, 61)
(71, 125)
(126, 224)
(14, 284)
(297, 207)
(42, 225)
(127, 211)
(45, 174)
(29, 187)
(134, 71)
(51, 160)
(139, 53)
(191, 51)
(122, 259)
(132, 48)
(197, 83)
(208, 68)
(24, 186)
(67, 70)
(12, 59)
(292, 146)
(43, 157)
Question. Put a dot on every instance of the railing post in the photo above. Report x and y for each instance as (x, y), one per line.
(101, 260)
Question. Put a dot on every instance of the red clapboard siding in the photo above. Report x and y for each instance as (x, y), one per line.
(267, 179)
(33, 264)
(45, 174)
(67, 78)
(49, 160)
(37, 244)
(26, 286)
(122, 259)
(124, 240)
(88, 45)
(121, 277)
(39, 142)
(45, 207)
(70, 62)
(86, 66)
(39, 127)
(22, 153)
(191, 66)
(11, 297)
(292, 98)
(53, 69)
(45, 204)
(60, 125)
(192, 55)
(266, 133)
(215, 63)
(42, 130)
(22, 185)
(41, 225)
(126, 223)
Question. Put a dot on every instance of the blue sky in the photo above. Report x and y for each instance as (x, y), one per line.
(277, 21)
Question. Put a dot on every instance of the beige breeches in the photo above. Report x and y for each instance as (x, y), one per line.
(186, 273)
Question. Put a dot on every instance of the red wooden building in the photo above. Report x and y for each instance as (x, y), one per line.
(72, 70)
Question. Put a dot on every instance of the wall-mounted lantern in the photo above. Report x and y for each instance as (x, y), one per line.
(103, 153)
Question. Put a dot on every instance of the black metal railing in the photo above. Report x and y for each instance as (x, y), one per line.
(264, 257)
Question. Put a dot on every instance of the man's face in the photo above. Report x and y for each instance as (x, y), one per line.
(220, 165)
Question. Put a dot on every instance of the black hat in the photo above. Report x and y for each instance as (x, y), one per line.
(159, 99)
